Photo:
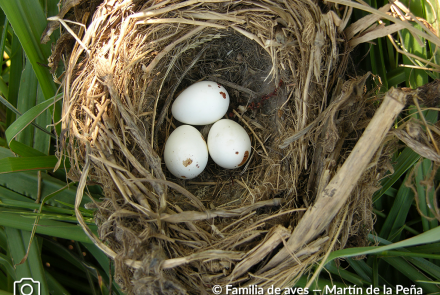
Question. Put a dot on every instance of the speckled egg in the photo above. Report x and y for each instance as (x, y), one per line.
(229, 144)
(201, 103)
(186, 152)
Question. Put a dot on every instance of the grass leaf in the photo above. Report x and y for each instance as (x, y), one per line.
(29, 21)
(25, 119)
(430, 236)
(24, 150)
(406, 160)
(16, 164)
(15, 71)
(48, 227)
(397, 216)
(26, 100)
(31, 268)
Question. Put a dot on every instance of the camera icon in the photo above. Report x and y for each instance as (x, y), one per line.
(26, 286)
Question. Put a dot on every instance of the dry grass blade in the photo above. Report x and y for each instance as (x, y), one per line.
(417, 146)
(337, 191)
(209, 214)
(257, 254)
(416, 32)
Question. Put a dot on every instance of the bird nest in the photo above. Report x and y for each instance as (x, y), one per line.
(280, 62)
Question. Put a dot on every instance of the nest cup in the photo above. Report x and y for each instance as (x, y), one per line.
(279, 61)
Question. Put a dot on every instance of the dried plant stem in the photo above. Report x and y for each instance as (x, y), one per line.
(208, 214)
(233, 85)
(252, 130)
(416, 32)
(56, 18)
(426, 124)
(279, 233)
(324, 259)
(333, 197)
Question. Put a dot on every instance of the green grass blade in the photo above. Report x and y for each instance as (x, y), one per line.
(5, 152)
(422, 172)
(68, 256)
(26, 184)
(3, 240)
(71, 282)
(104, 262)
(363, 273)
(428, 248)
(7, 264)
(378, 63)
(49, 216)
(24, 150)
(411, 272)
(42, 139)
(4, 90)
(417, 259)
(430, 236)
(345, 274)
(90, 270)
(3, 42)
(8, 165)
(28, 117)
(7, 194)
(366, 272)
(48, 227)
(431, 15)
(405, 161)
(3, 142)
(396, 76)
(31, 268)
(83, 210)
(28, 21)
(33, 206)
(14, 77)
(397, 216)
(55, 288)
(26, 100)
(16, 112)
(414, 77)
(405, 227)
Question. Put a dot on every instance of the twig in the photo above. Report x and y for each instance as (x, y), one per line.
(252, 130)
(233, 85)
(57, 18)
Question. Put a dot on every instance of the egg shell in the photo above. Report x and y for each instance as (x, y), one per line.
(201, 103)
(229, 144)
(186, 152)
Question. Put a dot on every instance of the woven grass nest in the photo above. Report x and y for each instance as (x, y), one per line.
(265, 223)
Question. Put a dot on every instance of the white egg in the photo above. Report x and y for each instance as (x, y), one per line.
(186, 153)
(229, 144)
(201, 103)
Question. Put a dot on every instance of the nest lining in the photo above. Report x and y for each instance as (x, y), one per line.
(278, 60)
